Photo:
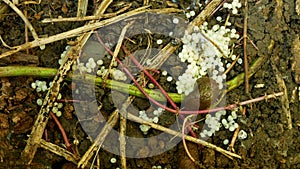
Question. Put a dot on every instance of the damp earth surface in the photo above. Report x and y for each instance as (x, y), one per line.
(273, 29)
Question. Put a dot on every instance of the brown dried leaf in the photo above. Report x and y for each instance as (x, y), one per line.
(37, 16)
(64, 8)
(4, 123)
(21, 94)
(23, 122)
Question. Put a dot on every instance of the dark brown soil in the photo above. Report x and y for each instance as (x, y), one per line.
(272, 27)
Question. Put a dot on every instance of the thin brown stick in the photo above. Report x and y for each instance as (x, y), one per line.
(86, 18)
(183, 139)
(82, 8)
(122, 118)
(253, 43)
(117, 49)
(218, 8)
(98, 161)
(4, 44)
(245, 48)
(232, 64)
(150, 77)
(34, 139)
(31, 2)
(146, 2)
(95, 147)
(26, 32)
(169, 48)
(233, 139)
(232, 106)
(205, 13)
(59, 151)
(179, 134)
(123, 123)
(76, 32)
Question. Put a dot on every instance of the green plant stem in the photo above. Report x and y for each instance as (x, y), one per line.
(12, 71)
(239, 79)
(130, 89)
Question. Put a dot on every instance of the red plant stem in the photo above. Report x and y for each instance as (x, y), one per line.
(188, 112)
(46, 135)
(232, 106)
(67, 101)
(150, 98)
(133, 78)
(158, 85)
(176, 110)
(62, 130)
(150, 77)
(141, 88)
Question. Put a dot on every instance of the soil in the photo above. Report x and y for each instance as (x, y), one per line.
(273, 27)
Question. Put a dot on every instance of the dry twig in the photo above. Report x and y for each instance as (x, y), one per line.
(233, 139)
(170, 48)
(95, 147)
(38, 128)
(80, 30)
(59, 151)
(86, 18)
(245, 48)
(123, 117)
(82, 8)
(117, 49)
(183, 140)
(178, 134)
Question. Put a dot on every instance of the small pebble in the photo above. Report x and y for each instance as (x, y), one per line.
(242, 135)
(100, 62)
(58, 113)
(192, 13)
(59, 96)
(113, 160)
(155, 120)
(151, 85)
(240, 61)
(39, 102)
(226, 141)
(233, 57)
(164, 73)
(175, 20)
(159, 41)
(188, 15)
(219, 18)
(228, 65)
(33, 85)
(169, 78)
(234, 11)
